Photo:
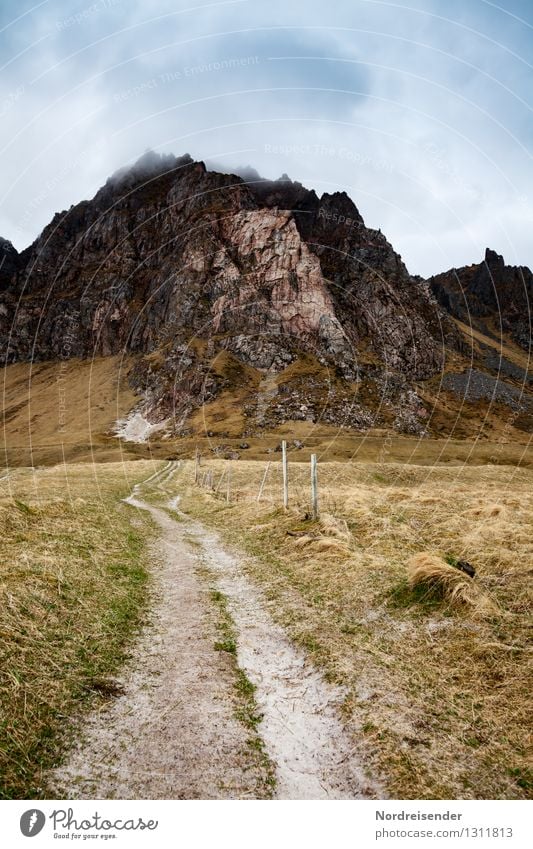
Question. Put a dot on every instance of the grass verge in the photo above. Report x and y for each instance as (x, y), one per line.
(73, 587)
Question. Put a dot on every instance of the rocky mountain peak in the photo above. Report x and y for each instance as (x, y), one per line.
(148, 167)
(184, 266)
(9, 262)
(492, 296)
(493, 259)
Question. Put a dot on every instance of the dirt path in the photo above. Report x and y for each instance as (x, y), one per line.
(173, 732)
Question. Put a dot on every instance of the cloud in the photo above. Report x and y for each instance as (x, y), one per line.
(422, 114)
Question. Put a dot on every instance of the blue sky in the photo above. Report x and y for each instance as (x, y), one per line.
(420, 110)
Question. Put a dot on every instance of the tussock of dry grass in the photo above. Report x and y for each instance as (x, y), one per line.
(330, 545)
(333, 526)
(332, 537)
(437, 578)
(303, 540)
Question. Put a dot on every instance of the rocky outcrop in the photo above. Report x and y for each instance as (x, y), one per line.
(168, 250)
(492, 296)
(273, 288)
(381, 305)
(9, 263)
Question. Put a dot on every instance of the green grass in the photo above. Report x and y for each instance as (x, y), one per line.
(228, 642)
(246, 710)
(424, 599)
(451, 559)
(523, 777)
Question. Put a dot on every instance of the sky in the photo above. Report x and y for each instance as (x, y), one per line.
(419, 110)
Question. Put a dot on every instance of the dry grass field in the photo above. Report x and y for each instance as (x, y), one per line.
(437, 683)
(436, 671)
(333, 444)
(72, 590)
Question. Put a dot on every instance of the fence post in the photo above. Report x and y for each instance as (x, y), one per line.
(196, 465)
(285, 474)
(314, 486)
(221, 478)
(259, 494)
(228, 484)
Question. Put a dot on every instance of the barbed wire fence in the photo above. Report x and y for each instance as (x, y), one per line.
(279, 483)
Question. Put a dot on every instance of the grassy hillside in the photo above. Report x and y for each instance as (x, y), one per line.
(56, 411)
(66, 411)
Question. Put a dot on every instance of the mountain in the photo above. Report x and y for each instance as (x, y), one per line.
(253, 301)
(494, 297)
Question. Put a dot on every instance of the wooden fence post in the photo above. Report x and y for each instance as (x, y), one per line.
(221, 478)
(285, 474)
(259, 494)
(314, 486)
(228, 484)
(196, 465)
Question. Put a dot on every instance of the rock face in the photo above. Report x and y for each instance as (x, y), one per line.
(168, 250)
(9, 263)
(181, 266)
(492, 296)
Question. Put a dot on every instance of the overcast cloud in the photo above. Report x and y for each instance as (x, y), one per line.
(420, 111)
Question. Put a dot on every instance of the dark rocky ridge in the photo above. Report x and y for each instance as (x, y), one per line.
(9, 263)
(492, 296)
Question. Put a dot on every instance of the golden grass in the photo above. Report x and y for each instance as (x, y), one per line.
(72, 585)
(439, 579)
(438, 695)
(55, 411)
(503, 344)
